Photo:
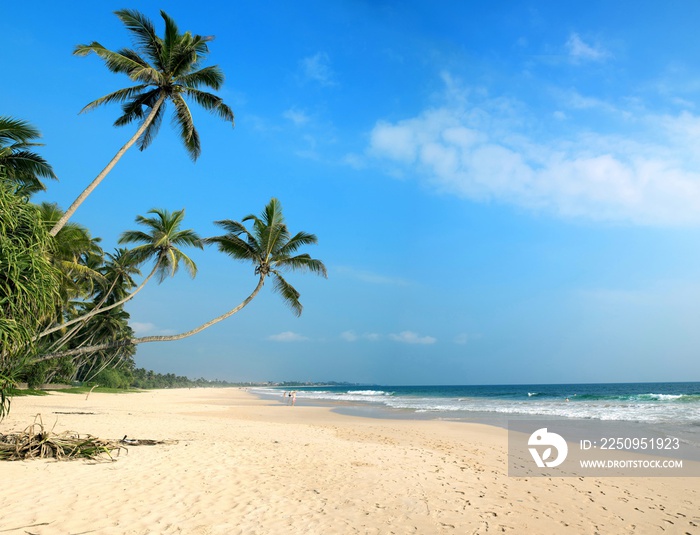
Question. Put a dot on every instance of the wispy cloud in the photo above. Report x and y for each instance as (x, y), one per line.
(352, 336)
(370, 277)
(317, 68)
(296, 116)
(409, 337)
(465, 338)
(648, 175)
(149, 329)
(287, 336)
(404, 337)
(580, 51)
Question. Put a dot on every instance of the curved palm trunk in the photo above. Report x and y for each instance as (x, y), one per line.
(99, 310)
(87, 191)
(145, 339)
(206, 325)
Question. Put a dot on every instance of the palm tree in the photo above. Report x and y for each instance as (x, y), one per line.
(18, 164)
(164, 69)
(269, 246)
(161, 242)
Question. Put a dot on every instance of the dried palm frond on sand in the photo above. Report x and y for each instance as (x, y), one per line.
(37, 443)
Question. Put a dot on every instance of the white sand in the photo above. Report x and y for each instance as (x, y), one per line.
(242, 465)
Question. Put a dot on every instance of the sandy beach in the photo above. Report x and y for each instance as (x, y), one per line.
(241, 465)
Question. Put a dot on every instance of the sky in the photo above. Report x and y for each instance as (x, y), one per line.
(503, 192)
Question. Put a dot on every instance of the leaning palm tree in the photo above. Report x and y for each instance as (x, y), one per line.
(268, 245)
(164, 69)
(271, 248)
(19, 165)
(162, 241)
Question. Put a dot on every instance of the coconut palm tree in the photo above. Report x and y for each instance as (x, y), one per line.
(18, 164)
(165, 69)
(268, 245)
(161, 242)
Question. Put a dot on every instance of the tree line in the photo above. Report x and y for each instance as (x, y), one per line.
(62, 295)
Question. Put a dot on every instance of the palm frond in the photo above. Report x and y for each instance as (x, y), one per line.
(143, 33)
(17, 130)
(298, 240)
(235, 247)
(188, 133)
(170, 40)
(114, 61)
(25, 163)
(211, 76)
(211, 103)
(289, 294)
(121, 95)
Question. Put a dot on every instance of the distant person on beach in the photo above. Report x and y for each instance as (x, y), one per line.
(294, 397)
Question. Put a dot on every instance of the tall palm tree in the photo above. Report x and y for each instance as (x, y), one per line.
(165, 69)
(18, 164)
(269, 246)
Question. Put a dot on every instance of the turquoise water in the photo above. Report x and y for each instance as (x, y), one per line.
(663, 403)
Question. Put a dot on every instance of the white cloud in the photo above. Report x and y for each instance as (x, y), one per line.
(352, 336)
(462, 339)
(465, 338)
(317, 68)
(287, 336)
(409, 337)
(581, 51)
(649, 175)
(349, 336)
(297, 117)
(149, 329)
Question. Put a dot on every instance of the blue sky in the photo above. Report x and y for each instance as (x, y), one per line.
(503, 192)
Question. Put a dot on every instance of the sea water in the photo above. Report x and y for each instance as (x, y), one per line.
(669, 407)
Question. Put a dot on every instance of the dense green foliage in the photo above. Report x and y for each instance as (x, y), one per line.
(30, 283)
(20, 166)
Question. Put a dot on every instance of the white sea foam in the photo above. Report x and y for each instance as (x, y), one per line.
(652, 408)
(369, 393)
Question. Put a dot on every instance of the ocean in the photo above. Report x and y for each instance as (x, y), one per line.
(667, 407)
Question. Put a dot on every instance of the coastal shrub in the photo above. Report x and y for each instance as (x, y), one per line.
(29, 282)
(112, 378)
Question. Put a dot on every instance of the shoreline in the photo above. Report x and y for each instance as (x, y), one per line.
(246, 465)
(375, 409)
